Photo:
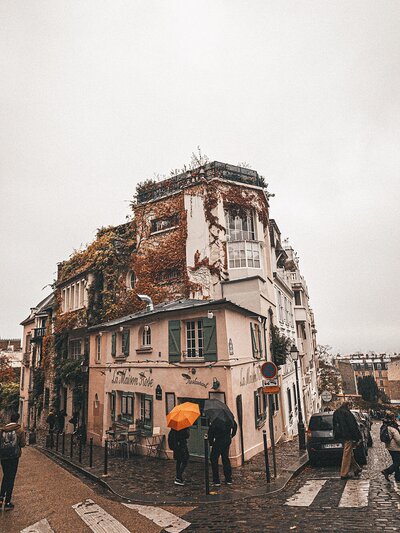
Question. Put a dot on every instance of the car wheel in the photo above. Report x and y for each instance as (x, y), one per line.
(369, 443)
(313, 459)
(361, 456)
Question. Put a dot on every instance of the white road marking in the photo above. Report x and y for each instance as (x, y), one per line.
(98, 519)
(355, 493)
(40, 527)
(307, 494)
(161, 517)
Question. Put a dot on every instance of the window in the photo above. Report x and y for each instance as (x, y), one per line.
(161, 224)
(22, 376)
(256, 343)
(194, 338)
(260, 410)
(146, 336)
(98, 349)
(169, 401)
(75, 348)
(165, 276)
(280, 306)
(146, 411)
(243, 249)
(290, 407)
(131, 280)
(295, 396)
(73, 296)
(127, 406)
(113, 344)
(274, 399)
(125, 342)
(113, 404)
(297, 298)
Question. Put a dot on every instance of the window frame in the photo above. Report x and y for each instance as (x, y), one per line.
(196, 349)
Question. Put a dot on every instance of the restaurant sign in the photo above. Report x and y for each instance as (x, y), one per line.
(123, 377)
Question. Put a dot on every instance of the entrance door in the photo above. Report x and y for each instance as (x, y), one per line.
(198, 430)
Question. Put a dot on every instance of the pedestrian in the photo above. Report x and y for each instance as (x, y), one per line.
(177, 442)
(51, 421)
(345, 428)
(61, 421)
(390, 435)
(74, 420)
(220, 436)
(12, 439)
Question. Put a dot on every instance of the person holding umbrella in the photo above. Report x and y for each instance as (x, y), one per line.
(180, 418)
(223, 428)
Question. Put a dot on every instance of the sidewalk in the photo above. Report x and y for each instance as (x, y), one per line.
(151, 481)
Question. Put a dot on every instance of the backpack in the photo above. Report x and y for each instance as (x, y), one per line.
(9, 446)
(172, 444)
(384, 434)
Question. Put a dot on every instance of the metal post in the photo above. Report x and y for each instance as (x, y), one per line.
(57, 437)
(272, 433)
(105, 458)
(239, 408)
(266, 458)
(71, 446)
(80, 449)
(300, 425)
(63, 443)
(91, 452)
(206, 476)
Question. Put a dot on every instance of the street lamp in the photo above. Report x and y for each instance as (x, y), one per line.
(294, 354)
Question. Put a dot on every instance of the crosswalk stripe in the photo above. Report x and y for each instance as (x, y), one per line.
(97, 518)
(161, 517)
(307, 493)
(355, 493)
(40, 527)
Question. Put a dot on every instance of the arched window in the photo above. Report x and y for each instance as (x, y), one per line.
(131, 280)
(146, 336)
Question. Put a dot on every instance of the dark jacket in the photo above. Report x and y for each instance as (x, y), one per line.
(177, 441)
(221, 435)
(345, 425)
(19, 431)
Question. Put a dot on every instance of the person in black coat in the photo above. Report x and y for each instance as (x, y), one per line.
(345, 428)
(220, 437)
(177, 442)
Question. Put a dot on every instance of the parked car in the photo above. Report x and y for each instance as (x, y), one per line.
(321, 443)
(365, 425)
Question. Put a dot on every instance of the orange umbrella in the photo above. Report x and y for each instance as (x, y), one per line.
(183, 416)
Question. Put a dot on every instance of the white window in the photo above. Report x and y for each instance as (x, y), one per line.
(194, 338)
(243, 248)
(240, 228)
(146, 336)
(131, 280)
(75, 348)
(73, 296)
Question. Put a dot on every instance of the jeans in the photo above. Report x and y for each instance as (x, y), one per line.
(9, 467)
(223, 451)
(182, 459)
(395, 467)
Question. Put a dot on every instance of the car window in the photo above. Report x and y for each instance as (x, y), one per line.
(321, 423)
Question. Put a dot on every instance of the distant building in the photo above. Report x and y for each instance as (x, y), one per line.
(11, 348)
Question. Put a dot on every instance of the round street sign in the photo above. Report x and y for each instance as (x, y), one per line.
(269, 370)
(326, 396)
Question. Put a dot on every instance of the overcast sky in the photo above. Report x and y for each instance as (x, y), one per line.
(98, 95)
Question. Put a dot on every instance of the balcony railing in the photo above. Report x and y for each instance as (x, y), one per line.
(38, 334)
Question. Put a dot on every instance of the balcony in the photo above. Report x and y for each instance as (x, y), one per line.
(38, 334)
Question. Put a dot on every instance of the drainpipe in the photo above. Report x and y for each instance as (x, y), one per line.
(148, 300)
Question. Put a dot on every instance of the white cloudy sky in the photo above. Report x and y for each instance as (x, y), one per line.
(98, 95)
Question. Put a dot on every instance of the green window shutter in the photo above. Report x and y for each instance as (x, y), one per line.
(253, 340)
(125, 342)
(114, 344)
(256, 415)
(174, 341)
(210, 339)
(260, 342)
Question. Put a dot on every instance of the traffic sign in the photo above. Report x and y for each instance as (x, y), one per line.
(269, 370)
(326, 396)
(272, 389)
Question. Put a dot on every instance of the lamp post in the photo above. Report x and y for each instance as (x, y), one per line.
(294, 354)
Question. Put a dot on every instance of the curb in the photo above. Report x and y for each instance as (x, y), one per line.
(273, 488)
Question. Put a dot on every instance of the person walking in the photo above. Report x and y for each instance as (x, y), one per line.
(51, 421)
(390, 435)
(61, 421)
(177, 442)
(220, 436)
(345, 428)
(12, 439)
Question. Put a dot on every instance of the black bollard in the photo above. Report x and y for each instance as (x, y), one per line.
(57, 437)
(91, 452)
(106, 458)
(71, 446)
(266, 458)
(63, 443)
(80, 450)
(206, 476)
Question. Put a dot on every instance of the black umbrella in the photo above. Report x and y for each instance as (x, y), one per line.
(219, 413)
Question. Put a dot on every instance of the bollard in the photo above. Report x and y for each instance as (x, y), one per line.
(57, 437)
(71, 446)
(91, 452)
(80, 450)
(105, 458)
(266, 458)
(63, 443)
(206, 475)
